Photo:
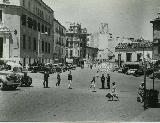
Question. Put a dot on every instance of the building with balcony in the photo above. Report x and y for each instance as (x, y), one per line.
(59, 47)
(156, 38)
(25, 31)
(76, 43)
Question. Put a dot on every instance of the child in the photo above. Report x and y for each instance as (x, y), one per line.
(114, 91)
(93, 83)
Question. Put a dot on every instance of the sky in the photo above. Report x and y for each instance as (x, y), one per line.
(126, 18)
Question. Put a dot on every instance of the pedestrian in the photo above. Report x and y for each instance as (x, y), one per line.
(114, 91)
(20, 63)
(108, 81)
(141, 92)
(58, 79)
(103, 81)
(70, 80)
(90, 66)
(93, 84)
(27, 66)
(46, 75)
(97, 74)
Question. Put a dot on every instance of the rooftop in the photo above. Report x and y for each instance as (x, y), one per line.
(134, 45)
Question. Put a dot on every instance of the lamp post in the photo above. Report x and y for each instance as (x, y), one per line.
(144, 69)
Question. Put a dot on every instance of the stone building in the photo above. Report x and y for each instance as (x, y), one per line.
(59, 47)
(25, 31)
(133, 52)
(76, 39)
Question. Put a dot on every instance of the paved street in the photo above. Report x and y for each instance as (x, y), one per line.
(78, 104)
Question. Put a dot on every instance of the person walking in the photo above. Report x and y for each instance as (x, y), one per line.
(141, 92)
(108, 81)
(46, 75)
(70, 80)
(58, 79)
(103, 81)
(97, 74)
(93, 84)
(114, 91)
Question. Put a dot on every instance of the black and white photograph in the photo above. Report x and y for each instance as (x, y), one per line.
(79, 61)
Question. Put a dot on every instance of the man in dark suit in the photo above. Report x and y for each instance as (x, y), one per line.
(46, 75)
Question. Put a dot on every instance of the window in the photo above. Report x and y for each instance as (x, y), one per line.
(139, 56)
(34, 24)
(34, 44)
(71, 53)
(42, 46)
(29, 43)
(71, 44)
(23, 3)
(42, 28)
(46, 29)
(49, 31)
(39, 27)
(24, 41)
(0, 15)
(67, 53)
(128, 57)
(46, 47)
(30, 22)
(23, 19)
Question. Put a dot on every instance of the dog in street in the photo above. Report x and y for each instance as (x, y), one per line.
(111, 96)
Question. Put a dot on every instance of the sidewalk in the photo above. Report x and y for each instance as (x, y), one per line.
(149, 115)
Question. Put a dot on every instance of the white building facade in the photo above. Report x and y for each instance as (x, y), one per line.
(25, 31)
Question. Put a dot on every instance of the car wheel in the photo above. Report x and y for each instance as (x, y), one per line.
(3, 86)
(13, 87)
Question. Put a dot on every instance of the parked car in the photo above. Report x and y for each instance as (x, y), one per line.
(156, 75)
(26, 80)
(131, 71)
(120, 70)
(9, 80)
(138, 72)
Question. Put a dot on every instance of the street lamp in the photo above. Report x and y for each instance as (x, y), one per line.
(144, 69)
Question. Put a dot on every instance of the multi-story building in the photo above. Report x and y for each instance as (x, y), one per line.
(25, 31)
(76, 43)
(156, 38)
(133, 52)
(59, 42)
(104, 41)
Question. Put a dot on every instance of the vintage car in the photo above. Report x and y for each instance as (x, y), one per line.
(9, 80)
(131, 71)
(25, 80)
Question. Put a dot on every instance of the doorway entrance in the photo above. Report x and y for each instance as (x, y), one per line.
(1, 47)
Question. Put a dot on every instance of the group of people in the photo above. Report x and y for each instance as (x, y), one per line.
(46, 76)
(92, 85)
(103, 79)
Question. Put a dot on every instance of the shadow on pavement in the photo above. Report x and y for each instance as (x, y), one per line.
(103, 88)
(27, 86)
(12, 90)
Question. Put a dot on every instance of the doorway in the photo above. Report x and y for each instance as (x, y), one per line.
(1, 47)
